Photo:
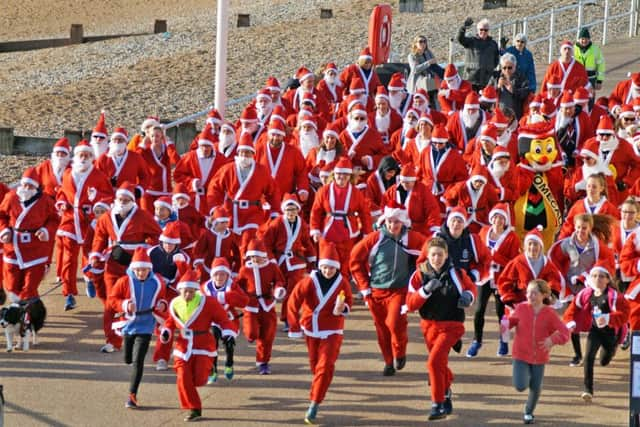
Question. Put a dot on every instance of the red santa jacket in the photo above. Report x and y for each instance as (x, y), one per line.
(573, 75)
(366, 150)
(621, 94)
(455, 101)
(517, 273)
(413, 149)
(189, 172)
(579, 314)
(449, 170)
(260, 283)
(455, 126)
(230, 296)
(195, 338)
(630, 257)
(158, 171)
(371, 82)
(506, 186)
(132, 169)
(286, 166)
(333, 95)
(603, 207)
(374, 193)
(77, 195)
(505, 249)
(49, 180)
(244, 200)
(25, 249)
(575, 186)
(477, 203)
(310, 311)
(422, 207)
(212, 245)
(395, 123)
(328, 209)
(634, 305)
(291, 249)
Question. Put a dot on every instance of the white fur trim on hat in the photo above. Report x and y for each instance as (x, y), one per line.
(310, 123)
(140, 264)
(286, 203)
(398, 213)
(454, 214)
(478, 178)
(600, 269)
(487, 138)
(177, 196)
(188, 285)
(102, 205)
(552, 86)
(82, 148)
(589, 153)
(123, 192)
(329, 132)
(114, 134)
(407, 178)
(495, 211)
(60, 149)
(343, 170)
(275, 131)
(30, 181)
(329, 263)
(256, 253)
(169, 240)
(161, 203)
(220, 268)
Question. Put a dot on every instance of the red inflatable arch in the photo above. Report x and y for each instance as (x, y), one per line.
(380, 33)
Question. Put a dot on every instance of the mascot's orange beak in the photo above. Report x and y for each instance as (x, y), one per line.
(543, 160)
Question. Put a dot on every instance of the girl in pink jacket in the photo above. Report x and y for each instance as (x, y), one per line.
(538, 328)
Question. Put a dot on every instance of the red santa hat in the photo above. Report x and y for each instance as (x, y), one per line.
(83, 146)
(357, 86)
(397, 82)
(352, 100)
(62, 145)
(304, 73)
(309, 98)
(127, 189)
(603, 101)
(311, 121)
(635, 79)
(103, 203)
(566, 100)
(398, 211)
(325, 170)
(180, 191)
(249, 114)
(30, 176)
(149, 122)
(278, 113)
(246, 143)
(171, 233)
(591, 148)
(358, 110)
(229, 126)
(272, 84)
(626, 111)
(365, 54)
(489, 132)
(421, 93)
(290, 199)
(555, 82)
(605, 126)
(140, 259)
(536, 101)
(343, 165)
(489, 94)
(381, 93)
(189, 280)
(581, 95)
(412, 112)
(499, 120)
(328, 255)
(263, 93)
(478, 173)
(599, 267)
(548, 108)
(204, 137)
(450, 71)
(332, 129)
(120, 132)
(257, 248)
(214, 117)
(220, 264)
(439, 133)
(500, 152)
(331, 66)
(408, 173)
(457, 212)
(220, 214)
(163, 202)
(426, 118)
(566, 43)
(276, 127)
(101, 128)
(472, 101)
(501, 209)
(535, 234)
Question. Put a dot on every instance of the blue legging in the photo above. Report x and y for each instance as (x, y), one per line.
(526, 375)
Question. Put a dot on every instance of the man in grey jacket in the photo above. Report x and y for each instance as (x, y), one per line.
(481, 54)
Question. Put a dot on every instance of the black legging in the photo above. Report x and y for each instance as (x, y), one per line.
(217, 333)
(484, 293)
(575, 342)
(598, 337)
(135, 350)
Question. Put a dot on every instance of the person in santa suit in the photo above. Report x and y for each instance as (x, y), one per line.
(331, 88)
(340, 213)
(324, 156)
(185, 212)
(222, 287)
(480, 149)
(572, 74)
(82, 186)
(242, 187)
(284, 163)
(420, 102)
(287, 239)
(593, 164)
(28, 222)
(594, 203)
(627, 123)
(358, 92)
(264, 106)
(453, 91)
(139, 294)
(99, 141)
(476, 196)
(488, 99)
(305, 136)
(215, 122)
(504, 245)
(440, 292)
(362, 69)
(381, 264)
(158, 159)
(502, 176)
(317, 308)
(141, 140)
(196, 170)
(379, 182)
(190, 317)
(217, 241)
(465, 124)
(228, 142)
(422, 207)
(249, 124)
(51, 170)
(307, 79)
(402, 136)
(582, 98)
(507, 130)
(535, 106)
(441, 165)
(262, 280)
(399, 99)
(273, 85)
(363, 143)
(386, 119)
(527, 266)
(125, 228)
(164, 214)
(625, 92)
(572, 129)
(620, 235)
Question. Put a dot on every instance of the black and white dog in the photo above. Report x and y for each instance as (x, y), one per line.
(24, 317)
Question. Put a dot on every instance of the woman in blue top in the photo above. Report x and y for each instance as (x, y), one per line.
(525, 64)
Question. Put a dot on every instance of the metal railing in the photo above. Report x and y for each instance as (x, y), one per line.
(553, 32)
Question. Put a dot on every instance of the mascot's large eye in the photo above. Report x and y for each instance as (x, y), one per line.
(549, 148)
(538, 150)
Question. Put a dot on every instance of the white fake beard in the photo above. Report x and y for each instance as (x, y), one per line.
(587, 171)
(264, 110)
(383, 122)
(468, 119)
(454, 83)
(562, 121)
(356, 126)
(226, 141)
(99, 147)
(308, 140)
(80, 166)
(25, 194)
(122, 209)
(406, 125)
(503, 140)
(395, 101)
(327, 155)
(116, 150)
(244, 162)
(497, 171)
(608, 145)
(331, 80)
(59, 163)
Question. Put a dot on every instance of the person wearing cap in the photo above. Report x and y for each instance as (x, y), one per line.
(217, 241)
(504, 245)
(501, 172)
(264, 106)
(306, 134)
(381, 264)
(424, 69)
(453, 90)
(82, 186)
(627, 122)
(386, 119)
(590, 55)
(572, 127)
(140, 295)
(488, 99)
(28, 222)
(190, 317)
(222, 287)
(512, 86)
(551, 93)
(399, 99)
(52, 169)
(465, 124)
(402, 136)
(331, 88)
(600, 310)
(317, 309)
(248, 123)
(420, 141)
(481, 53)
(307, 80)
(287, 238)
(273, 85)
(440, 292)
(227, 141)
(593, 164)
(165, 215)
(327, 154)
(94, 275)
(479, 150)
(357, 94)
(307, 111)
(363, 69)
(379, 182)
(362, 141)
(340, 213)
(262, 280)
(625, 92)
(99, 134)
(125, 228)
(572, 74)
(525, 64)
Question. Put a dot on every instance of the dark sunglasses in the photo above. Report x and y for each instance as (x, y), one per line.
(628, 119)
(507, 68)
(359, 119)
(519, 41)
(483, 30)
(422, 41)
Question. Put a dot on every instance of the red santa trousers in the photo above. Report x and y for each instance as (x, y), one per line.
(191, 374)
(163, 350)
(23, 283)
(261, 328)
(344, 252)
(391, 326)
(58, 246)
(291, 278)
(112, 272)
(69, 250)
(439, 337)
(323, 354)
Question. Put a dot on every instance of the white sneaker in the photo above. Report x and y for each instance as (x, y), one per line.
(107, 348)
(587, 397)
(162, 365)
